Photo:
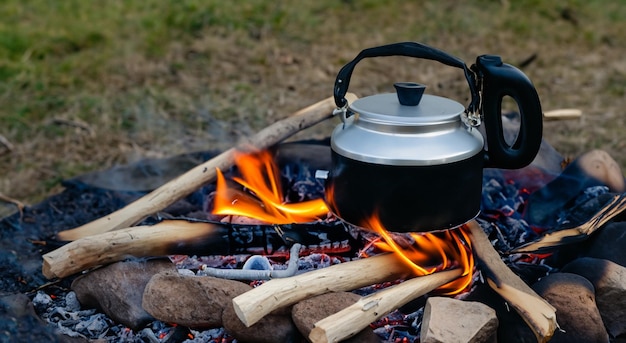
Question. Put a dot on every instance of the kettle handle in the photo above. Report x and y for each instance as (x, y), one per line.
(498, 80)
(409, 49)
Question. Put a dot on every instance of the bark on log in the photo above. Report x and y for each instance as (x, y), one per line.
(536, 312)
(260, 301)
(204, 173)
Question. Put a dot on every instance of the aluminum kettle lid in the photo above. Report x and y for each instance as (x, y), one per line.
(409, 106)
(429, 131)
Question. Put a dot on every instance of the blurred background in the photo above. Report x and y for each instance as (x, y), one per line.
(85, 85)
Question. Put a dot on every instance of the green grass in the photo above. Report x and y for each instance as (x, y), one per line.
(155, 78)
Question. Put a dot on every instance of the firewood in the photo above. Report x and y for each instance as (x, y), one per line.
(260, 301)
(204, 173)
(536, 312)
(165, 238)
(553, 240)
(561, 114)
(20, 205)
(6, 143)
(351, 320)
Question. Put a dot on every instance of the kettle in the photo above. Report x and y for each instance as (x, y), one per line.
(415, 160)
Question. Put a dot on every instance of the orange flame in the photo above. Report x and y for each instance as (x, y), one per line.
(429, 252)
(262, 197)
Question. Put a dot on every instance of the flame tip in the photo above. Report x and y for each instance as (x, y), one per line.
(262, 197)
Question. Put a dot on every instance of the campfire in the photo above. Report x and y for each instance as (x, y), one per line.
(260, 197)
(250, 216)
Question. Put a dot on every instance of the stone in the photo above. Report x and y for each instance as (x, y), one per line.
(608, 243)
(576, 311)
(594, 168)
(193, 301)
(599, 165)
(309, 311)
(451, 320)
(117, 289)
(609, 281)
(274, 327)
(511, 326)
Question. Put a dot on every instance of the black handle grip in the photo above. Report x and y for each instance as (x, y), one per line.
(499, 80)
(409, 49)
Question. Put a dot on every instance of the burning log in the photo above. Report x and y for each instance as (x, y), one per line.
(182, 237)
(553, 240)
(536, 312)
(351, 320)
(260, 301)
(203, 173)
(165, 238)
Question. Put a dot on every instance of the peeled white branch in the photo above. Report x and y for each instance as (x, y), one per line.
(536, 311)
(276, 293)
(351, 320)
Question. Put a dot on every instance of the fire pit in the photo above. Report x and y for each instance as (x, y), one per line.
(514, 245)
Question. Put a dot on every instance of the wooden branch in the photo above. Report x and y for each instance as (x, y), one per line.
(351, 320)
(6, 143)
(256, 303)
(204, 173)
(74, 123)
(562, 114)
(165, 238)
(20, 205)
(536, 312)
(553, 240)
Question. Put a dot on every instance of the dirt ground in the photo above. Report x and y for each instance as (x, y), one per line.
(208, 90)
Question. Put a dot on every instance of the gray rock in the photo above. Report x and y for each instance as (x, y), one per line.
(308, 312)
(511, 326)
(117, 289)
(472, 321)
(274, 327)
(576, 311)
(608, 243)
(609, 281)
(594, 168)
(193, 301)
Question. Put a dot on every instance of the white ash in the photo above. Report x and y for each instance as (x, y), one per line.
(64, 313)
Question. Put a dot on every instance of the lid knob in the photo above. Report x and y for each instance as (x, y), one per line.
(409, 93)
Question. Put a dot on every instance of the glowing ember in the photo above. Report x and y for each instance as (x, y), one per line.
(429, 252)
(261, 197)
